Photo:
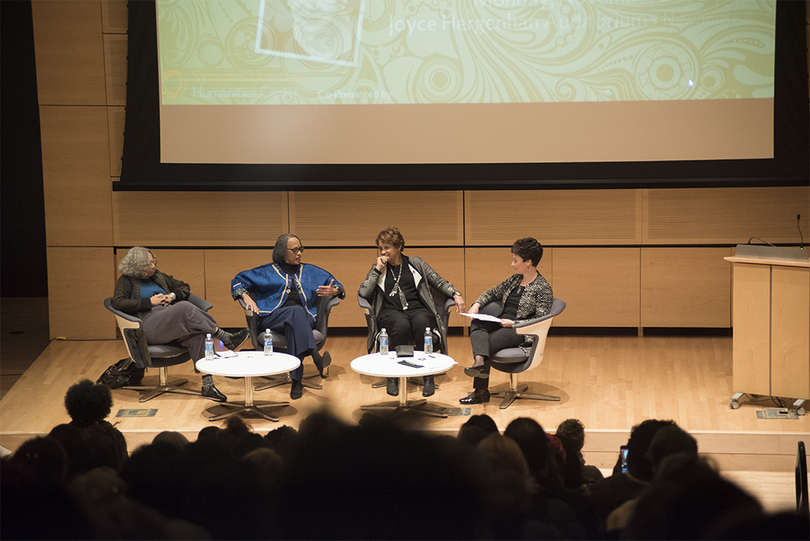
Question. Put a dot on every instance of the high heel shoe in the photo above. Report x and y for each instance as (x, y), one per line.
(321, 362)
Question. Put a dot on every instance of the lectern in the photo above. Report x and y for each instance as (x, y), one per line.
(771, 321)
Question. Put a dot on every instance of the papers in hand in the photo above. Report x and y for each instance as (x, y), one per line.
(226, 354)
(483, 317)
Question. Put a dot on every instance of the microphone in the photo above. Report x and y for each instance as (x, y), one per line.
(798, 224)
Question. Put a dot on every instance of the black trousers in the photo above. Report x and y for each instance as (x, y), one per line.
(488, 337)
(406, 326)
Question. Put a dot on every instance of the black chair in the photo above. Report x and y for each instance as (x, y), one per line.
(443, 306)
(802, 506)
(513, 361)
(160, 356)
(324, 308)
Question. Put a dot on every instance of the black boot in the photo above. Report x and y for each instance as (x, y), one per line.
(392, 386)
(232, 341)
(210, 391)
(429, 386)
(297, 390)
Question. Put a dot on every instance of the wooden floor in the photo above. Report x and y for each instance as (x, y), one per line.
(607, 380)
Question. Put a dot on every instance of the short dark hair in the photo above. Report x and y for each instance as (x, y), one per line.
(88, 403)
(639, 464)
(574, 431)
(393, 236)
(528, 248)
(280, 249)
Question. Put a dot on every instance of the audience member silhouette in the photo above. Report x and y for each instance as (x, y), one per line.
(668, 441)
(88, 405)
(689, 500)
(611, 492)
(537, 450)
(573, 431)
(476, 428)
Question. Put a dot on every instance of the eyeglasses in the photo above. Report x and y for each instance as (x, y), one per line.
(299, 250)
(152, 262)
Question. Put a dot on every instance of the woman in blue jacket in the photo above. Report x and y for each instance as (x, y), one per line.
(286, 292)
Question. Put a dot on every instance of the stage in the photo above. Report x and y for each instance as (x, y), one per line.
(610, 380)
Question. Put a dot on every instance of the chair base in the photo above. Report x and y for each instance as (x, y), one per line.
(286, 379)
(517, 391)
(161, 388)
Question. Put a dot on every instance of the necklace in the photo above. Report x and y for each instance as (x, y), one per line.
(398, 290)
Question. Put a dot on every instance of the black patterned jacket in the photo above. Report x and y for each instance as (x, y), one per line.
(535, 302)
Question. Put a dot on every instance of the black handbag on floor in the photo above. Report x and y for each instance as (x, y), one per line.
(121, 374)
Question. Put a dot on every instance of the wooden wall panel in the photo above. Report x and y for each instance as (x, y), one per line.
(487, 267)
(752, 340)
(114, 16)
(724, 215)
(354, 219)
(200, 219)
(185, 265)
(685, 287)
(115, 68)
(79, 279)
(600, 286)
(116, 116)
(69, 52)
(76, 176)
(220, 268)
(573, 217)
(350, 266)
(790, 347)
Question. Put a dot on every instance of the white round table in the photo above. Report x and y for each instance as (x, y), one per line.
(390, 366)
(248, 364)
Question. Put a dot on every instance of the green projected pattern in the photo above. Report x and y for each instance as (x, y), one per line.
(463, 51)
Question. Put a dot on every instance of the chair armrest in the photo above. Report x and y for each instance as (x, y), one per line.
(534, 326)
(491, 308)
(118, 313)
(364, 304)
(324, 308)
(199, 302)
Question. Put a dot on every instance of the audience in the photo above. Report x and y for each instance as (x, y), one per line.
(330, 480)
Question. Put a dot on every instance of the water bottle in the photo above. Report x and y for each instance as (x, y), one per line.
(268, 342)
(428, 341)
(209, 347)
(383, 342)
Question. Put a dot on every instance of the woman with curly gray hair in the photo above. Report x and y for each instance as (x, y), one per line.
(160, 301)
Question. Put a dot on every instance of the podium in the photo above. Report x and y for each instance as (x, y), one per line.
(771, 322)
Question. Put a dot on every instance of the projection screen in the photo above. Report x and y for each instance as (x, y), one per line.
(465, 81)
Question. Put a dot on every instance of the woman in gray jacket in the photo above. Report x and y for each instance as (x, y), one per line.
(399, 290)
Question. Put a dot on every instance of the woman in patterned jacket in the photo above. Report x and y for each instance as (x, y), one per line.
(525, 295)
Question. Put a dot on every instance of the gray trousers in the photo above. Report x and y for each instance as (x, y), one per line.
(179, 322)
